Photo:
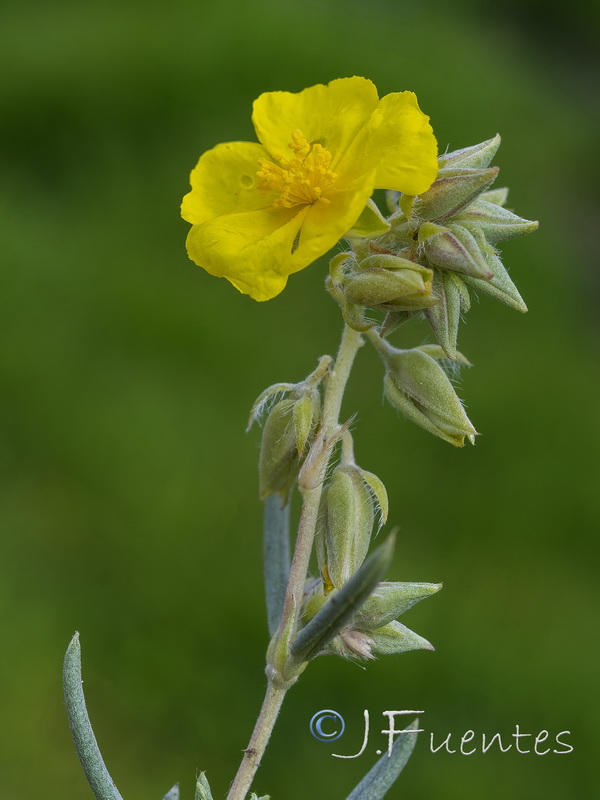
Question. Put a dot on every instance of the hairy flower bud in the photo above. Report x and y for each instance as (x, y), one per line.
(285, 435)
(390, 281)
(452, 190)
(417, 386)
(349, 514)
(453, 248)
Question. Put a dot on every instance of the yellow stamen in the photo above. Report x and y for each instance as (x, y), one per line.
(302, 180)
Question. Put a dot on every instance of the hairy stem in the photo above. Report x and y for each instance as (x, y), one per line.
(311, 485)
(258, 742)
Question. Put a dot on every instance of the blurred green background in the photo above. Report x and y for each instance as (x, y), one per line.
(128, 500)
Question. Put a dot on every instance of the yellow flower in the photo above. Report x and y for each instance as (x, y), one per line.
(261, 212)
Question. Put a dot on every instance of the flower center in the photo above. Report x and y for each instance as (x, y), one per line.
(302, 180)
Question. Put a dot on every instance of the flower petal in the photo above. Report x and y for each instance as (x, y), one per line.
(331, 114)
(253, 250)
(400, 137)
(327, 223)
(224, 182)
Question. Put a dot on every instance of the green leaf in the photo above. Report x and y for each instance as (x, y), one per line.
(341, 607)
(101, 783)
(381, 777)
(276, 551)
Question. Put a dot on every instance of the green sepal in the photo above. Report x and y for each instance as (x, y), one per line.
(501, 285)
(495, 222)
(305, 413)
(438, 352)
(390, 600)
(444, 317)
(202, 788)
(496, 196)
(396, 638)
(478, 156)
(370, 224)
(379, 492)
(262, 401)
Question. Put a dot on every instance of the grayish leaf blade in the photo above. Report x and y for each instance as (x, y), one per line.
(173, 793)
(382, 775)
(276, 557)
(342, 606)
(101, 783)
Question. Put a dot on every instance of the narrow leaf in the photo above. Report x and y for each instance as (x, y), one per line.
(276, 552)
(380, 778)
(341, 607)
(101, 783)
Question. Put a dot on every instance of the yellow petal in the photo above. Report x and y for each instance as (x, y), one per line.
(224, 182)
(399, 137)
(331, 115)
(253, 250)
(327, 223)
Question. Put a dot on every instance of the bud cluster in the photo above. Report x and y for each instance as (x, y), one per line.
(351, 502)
(449, 235)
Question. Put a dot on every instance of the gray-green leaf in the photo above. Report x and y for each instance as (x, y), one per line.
(381, 777)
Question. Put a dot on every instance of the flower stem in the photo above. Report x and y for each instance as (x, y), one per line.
(311, 485)
(258, 742)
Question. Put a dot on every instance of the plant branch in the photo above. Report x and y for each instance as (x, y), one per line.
(310, 481)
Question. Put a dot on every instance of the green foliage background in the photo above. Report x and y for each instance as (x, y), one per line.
(128, 502)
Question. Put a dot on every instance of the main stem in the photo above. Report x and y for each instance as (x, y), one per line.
(311, 498)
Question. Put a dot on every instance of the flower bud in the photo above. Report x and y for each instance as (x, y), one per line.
(285, 434)
(349, 514)
(476, 157)
(390, 281)
(390, 600)
(453, 248)
(454, 189)
(417, 386)
(495, 222)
